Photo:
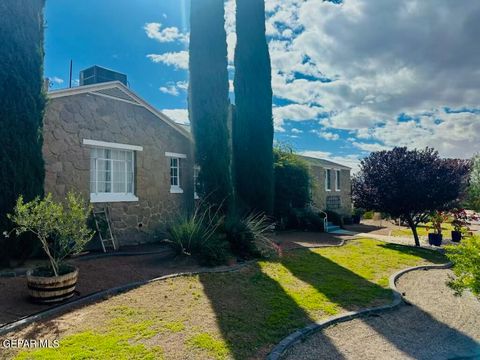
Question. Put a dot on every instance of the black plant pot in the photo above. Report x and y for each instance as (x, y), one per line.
(435, 239)
(456, 236)
(356, 219)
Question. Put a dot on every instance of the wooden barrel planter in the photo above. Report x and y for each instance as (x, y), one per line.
(51, 289)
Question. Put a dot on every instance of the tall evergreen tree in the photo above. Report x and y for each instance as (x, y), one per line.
(253, 126)
(208, 99)
(22, 102)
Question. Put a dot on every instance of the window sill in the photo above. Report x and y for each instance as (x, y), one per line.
(176, 190)
(328, 189)
(111, 197)
(338, 190)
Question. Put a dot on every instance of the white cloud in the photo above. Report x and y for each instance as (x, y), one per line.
(294, 112)
(326, 135)
(296, 131)
(352, 161)
(169, 34)
(385, 58)
(179, 60)
(178, 115)
(174, 88)
(56, 80)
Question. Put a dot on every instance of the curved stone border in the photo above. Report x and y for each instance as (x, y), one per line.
(301, 334)
(105, 294)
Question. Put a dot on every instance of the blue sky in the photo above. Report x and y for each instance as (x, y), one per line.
(348, 79)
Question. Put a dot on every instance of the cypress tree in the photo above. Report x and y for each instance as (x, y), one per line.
(253, 126)
(208, 100)
(22, 103)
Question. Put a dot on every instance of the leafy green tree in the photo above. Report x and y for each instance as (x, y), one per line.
(22, 103)
(253, 124)
(473, 193)
(208, 100)
(292, 182)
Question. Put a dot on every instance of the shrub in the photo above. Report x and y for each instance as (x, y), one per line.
(466, 265)
(61, 229)
(368, 215)
(248, 235)
(197, 235)
(292, 183)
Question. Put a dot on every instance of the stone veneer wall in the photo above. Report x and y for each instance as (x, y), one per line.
(319, 194)
(70, 119)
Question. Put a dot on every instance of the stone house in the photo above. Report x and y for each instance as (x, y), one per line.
(332, 187)
(105, 142)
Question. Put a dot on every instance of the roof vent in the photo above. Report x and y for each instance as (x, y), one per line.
(97, 74)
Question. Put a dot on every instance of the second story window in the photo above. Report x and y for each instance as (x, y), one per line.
(328, 180)
(337, 180)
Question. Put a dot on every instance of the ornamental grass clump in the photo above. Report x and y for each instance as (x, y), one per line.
(198, 235)
(60, 227)
(248, 236)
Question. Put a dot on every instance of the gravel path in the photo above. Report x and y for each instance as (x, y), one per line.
(437, 325)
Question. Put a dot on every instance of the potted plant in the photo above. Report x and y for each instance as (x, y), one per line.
(62, 231)
(437, 218)
(459, 223)
(357, 215)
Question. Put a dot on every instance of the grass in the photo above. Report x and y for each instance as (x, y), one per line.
(424, 229)
(237, 315)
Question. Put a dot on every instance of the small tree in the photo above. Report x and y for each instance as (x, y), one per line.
(466, 265)
(409, 184)
(61, 229)
(473, 193)
(292, 182)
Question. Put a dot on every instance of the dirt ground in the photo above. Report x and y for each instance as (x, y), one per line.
(435, 325)
(107, 272)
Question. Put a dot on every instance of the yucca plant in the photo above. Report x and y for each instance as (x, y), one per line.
(198, 235)
(248, 235)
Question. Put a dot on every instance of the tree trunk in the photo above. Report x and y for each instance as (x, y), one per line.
(413, 226)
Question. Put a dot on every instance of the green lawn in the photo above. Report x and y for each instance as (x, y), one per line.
(424, 229)
(236, 315)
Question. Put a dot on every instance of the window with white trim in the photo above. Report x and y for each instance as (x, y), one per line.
(111, 175)
(196, 171)
(175, 160)
(337, 180)
(328, 181)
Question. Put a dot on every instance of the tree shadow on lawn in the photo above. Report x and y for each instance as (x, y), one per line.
(353, 292)
(433, 256)
(254, 312)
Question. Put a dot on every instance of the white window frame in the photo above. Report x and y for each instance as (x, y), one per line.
(175, 189)
(196, 171)
(337, 179)
(328, 180)
(114, 197)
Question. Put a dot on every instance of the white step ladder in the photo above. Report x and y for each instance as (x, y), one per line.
(104, 229)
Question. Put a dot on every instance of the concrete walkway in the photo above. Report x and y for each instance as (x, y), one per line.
(437, 325)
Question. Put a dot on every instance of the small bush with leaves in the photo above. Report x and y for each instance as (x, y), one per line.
(197, 235)
(466, 265)
(61, 228)
(248, 236)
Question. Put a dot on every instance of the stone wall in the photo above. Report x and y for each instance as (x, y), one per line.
(320, 194)
(71, 119)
